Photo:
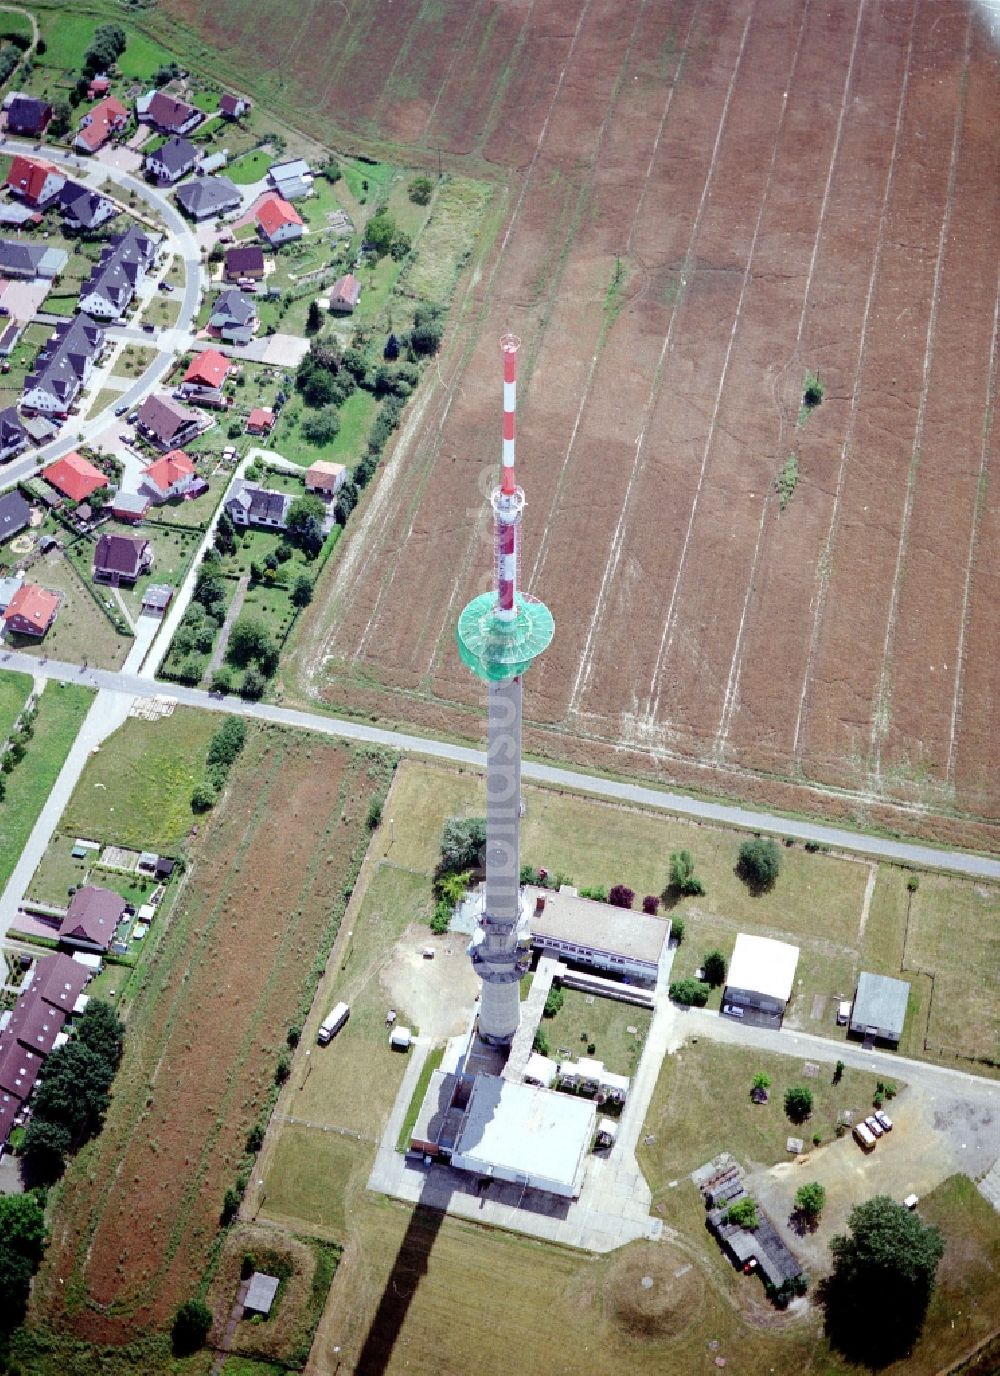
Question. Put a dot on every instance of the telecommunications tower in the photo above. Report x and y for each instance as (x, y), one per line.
(499, 635)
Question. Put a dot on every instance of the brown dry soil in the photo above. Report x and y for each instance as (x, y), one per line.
(705, 201)
(139, 1207)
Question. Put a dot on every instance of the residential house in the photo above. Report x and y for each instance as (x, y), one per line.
(91, 918)
(345, 293)
(249, 504)
(171, 161)
(28, 116)
(107, 118)
(31, 611)
(18, 258)
(172, 476)
(167, 114)
(15, 514)
(292, 179)
(129, 506)
(19, 1068)
(204, 379)
(278, 221)
(63, 366)
(84, 209)
(35, 1023)
(121, 559)
(10, 333)
(325, 478)
(168, 424)
(234, 316)
(260, 421)
(35, 181)
(244, 264)
(99, 86)
(233, 107)
(120, 270)
(13, 436)
(59, 981)
(74, 476)
(208, 197)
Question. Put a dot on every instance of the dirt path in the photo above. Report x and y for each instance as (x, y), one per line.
(223, 1349)
(234, 610)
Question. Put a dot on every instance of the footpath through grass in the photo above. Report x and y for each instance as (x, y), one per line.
(61, 710)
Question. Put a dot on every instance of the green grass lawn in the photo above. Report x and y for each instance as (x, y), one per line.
(356, 417)
(61, 710)
(67, 37)
(246, 1366)
(57, 871)
(252, 167)
(271, 605)
(602, 1022)
(11, 24)
(137, 791)
(701, 1105)
(14, 691)
(188, 513)
(378, 176)
(315, 208)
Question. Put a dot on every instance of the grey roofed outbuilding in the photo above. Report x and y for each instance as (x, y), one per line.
(260, 1295)
(208, 196)
(763, 1243)
(880, 1002)
(13, 214)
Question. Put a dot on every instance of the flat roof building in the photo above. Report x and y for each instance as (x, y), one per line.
(879, 1010)
(598, 935)
(526, 1136)
(760, 981)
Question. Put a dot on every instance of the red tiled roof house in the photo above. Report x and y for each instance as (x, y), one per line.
(74, 476)
(31, 611)
(97, 126)
(278, 220)
(172, 476)
(35, 181)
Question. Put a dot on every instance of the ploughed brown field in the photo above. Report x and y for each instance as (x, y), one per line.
(706, 199)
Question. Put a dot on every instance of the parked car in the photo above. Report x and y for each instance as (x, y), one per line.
(884, 1119)
(874, 1126)
(843, 1012)
(149, 329)
(164, 286)
(120, 410)
(864, 1138)
(428, 953)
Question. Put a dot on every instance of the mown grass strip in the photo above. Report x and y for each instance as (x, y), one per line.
(409, 1122)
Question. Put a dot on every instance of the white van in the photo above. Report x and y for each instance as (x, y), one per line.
(864, 1137)
(332, 1024)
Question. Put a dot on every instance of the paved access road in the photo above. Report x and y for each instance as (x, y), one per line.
(958, 862)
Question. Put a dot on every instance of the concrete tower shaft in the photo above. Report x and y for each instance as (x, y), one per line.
(499, 636)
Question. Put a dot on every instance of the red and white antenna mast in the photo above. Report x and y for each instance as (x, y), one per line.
(508, 499)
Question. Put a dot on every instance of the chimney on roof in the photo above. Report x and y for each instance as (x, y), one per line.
(540, 903)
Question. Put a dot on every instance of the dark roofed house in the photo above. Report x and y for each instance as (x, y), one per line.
(208, 197)
(249, 504)
(63, 366)
(234, 315)
(19, 1067)
(85, 209)
(233, 107)
(171, 160)
(167, 423)
(879, 1010)
(247, 261)
(28, 116)
(35, 1023)
(13, 436)
(21, 259)
(60, 980)
(91, 919)
(121, 558)
(167, 113)
(762, 1244)
(120, 270)
(165, 867)
(14, 514)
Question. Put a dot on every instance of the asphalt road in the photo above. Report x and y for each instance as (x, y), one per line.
(878, 847)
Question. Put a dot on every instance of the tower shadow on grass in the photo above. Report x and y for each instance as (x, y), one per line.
(410, 1266)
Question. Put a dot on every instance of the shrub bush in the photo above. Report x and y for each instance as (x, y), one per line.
(759, 863)
(690, 993)
(621, 896)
